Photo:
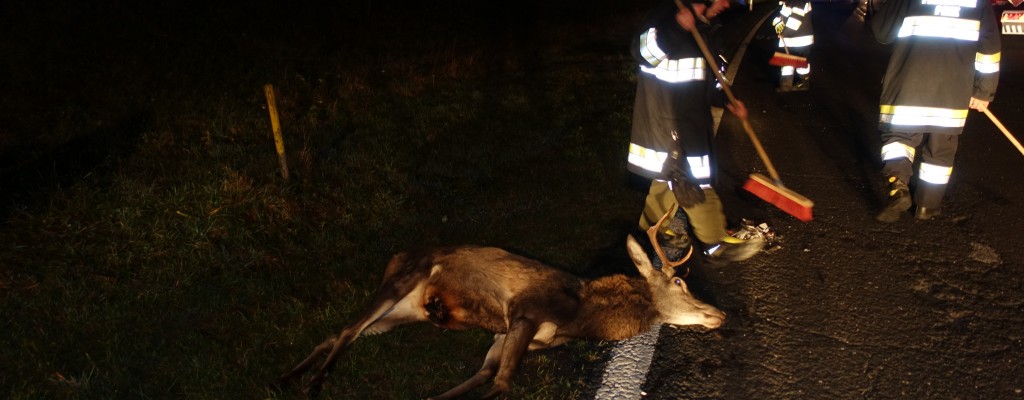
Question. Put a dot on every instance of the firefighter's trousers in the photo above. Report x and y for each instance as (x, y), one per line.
(707, 218)
(934, 164)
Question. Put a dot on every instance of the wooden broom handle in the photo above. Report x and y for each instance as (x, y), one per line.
(732, 99)
(1005, 131)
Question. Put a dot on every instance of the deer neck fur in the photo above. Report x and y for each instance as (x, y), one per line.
(614, 308)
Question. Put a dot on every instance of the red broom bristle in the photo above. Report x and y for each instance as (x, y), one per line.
(783, 60)
(786, 200)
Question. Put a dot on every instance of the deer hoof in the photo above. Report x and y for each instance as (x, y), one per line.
(282, 382)
(278, 385)
(313, 388)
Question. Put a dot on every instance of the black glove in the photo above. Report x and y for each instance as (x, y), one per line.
(688, 193)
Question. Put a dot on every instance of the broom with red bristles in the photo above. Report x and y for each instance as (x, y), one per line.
(786, 59)
(771, 191)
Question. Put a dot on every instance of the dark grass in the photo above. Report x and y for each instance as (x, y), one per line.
(150, 248)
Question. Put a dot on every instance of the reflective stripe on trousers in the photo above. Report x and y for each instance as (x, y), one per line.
(937, 153)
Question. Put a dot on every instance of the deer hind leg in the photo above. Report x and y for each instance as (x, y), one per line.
(287, 378)
(334, 345)
(396, 303)
(386, 314)
(486, 372)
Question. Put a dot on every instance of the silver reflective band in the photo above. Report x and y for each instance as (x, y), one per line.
(793, 23)
(700, 166)
(788, 70)
(987, 64)
(957, 3)
(649, 47)
(711, 250)
(787, 10)
(895, 151)
(674, 71)
(797, 42)
(921, 116)
(936, 174)
(645, 158)
(944, 27)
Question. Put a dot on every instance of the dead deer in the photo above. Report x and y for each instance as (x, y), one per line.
(527, 304)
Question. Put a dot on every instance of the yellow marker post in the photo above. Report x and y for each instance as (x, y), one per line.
(275, 124)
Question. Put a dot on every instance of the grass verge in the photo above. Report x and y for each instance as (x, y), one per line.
(151, 249)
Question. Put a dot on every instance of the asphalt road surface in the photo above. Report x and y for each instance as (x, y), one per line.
(844, 307)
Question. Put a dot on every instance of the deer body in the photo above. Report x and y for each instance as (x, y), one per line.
(527, 304)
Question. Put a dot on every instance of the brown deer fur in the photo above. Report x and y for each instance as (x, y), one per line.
(527, 304)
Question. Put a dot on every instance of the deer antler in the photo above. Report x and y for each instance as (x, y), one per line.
(652, 233)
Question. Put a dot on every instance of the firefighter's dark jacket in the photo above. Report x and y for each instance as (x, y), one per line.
(667, 99)
(802, 26)
(943, 55)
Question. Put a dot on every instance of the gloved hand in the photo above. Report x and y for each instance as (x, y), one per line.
(779, 23)
(688, 193)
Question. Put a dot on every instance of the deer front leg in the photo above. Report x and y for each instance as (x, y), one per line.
(517, 341)
(486, 372)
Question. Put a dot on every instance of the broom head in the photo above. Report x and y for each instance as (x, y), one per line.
(786, 200)
(788, 60)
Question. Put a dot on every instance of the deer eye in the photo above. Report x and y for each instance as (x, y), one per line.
(678, 281)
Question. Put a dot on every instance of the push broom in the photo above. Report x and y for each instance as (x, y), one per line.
(1004, 130)
(771, 191)
(786, 59)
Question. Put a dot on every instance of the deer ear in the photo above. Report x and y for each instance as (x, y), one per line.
(640, 259)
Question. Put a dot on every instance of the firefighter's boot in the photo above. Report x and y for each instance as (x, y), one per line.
(802, 82)
(898, 201)
(733, 249)
(785, 84)
(924, 213)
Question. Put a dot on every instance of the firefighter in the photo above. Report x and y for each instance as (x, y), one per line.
(945, 61)
(793, 26)
(672, 132)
